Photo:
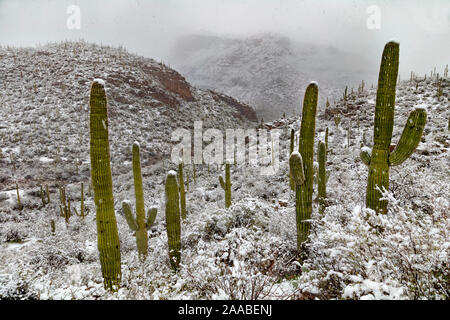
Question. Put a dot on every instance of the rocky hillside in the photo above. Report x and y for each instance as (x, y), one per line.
(268, 71)
(44, 96)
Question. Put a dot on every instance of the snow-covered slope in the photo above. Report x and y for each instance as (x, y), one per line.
(249, 250)
(44, 95)
(268, 71)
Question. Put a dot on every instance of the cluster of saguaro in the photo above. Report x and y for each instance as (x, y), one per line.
(322, 179)
(226, 185)
(173, 224)
(181, 189)
(301, 164)
(139, 224)
(107, 234)
(380, 159)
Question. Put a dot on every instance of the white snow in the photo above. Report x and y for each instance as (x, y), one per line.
(100, 81)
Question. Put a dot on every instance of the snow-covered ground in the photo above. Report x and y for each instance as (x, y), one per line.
(249, 250)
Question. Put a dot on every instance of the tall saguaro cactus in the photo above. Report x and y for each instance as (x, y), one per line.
(226, 185)
(139, 224)
(107, 234)
(322, 179)
(173, 224)
(380, 159)
(301, 164)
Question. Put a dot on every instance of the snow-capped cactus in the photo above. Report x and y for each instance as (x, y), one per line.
(381, 157)
(173, 225)
(226, 185)
(139, 224)
(302, 166)
(107, 234)
(181, 188)
(322, 179)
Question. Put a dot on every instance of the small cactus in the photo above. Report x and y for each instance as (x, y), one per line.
(45, 195)
(82, 212)
(322, 179)
(291, 180)
(64, 207)
(139, 224)
(181, 188)
(173, 224)
(19, 203)
(226, 185)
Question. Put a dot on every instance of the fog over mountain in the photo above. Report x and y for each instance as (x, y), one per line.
(151, 27)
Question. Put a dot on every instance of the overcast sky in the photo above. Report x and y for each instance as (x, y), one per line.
(150, 27)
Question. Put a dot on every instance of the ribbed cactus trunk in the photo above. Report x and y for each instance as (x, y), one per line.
(380, 158)
(182, 192)
(107, 234)
(322, 179)
(304, 191)
(173, 225)
(141, 233)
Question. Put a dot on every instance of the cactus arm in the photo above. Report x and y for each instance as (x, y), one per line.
(222, 183)
(365, 156)
(128, 213)
(107, 233)
(410, 137)
(173, 225)
(296, 168)
(151, 217)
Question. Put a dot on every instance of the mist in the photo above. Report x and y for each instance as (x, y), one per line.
(151, 28)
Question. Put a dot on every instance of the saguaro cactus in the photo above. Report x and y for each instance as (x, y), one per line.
(139, 224)
(173, 224)
(182, 192)
(291, 180)
(322, 179)
(301, 164)
(82, 212)
(226, 185)
(380, 159)
(107, 234)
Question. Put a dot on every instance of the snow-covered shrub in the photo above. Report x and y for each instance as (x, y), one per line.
(362, 255)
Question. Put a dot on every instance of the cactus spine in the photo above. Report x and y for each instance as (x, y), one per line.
(226, 185)
(301, 164)
(380, 159)
(107, 234)
(322, 179)
(173, 225)
(182, 192)
(139, 224)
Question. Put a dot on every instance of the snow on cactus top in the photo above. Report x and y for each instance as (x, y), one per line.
(172, 173)
(99, 81)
